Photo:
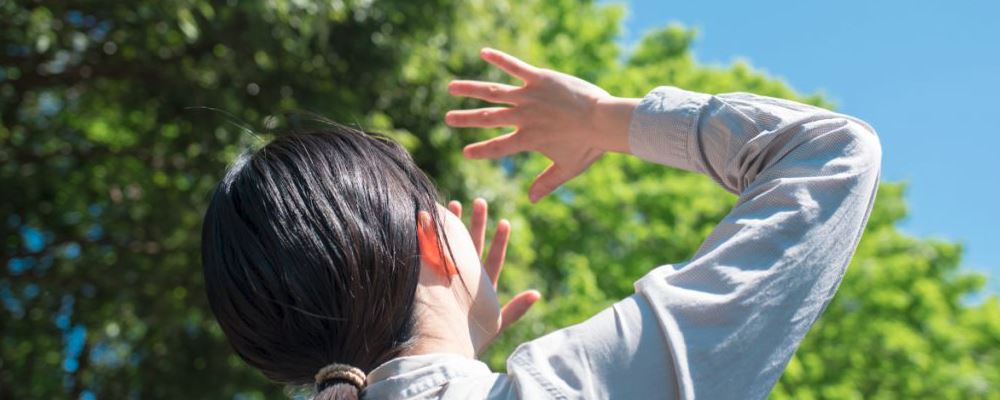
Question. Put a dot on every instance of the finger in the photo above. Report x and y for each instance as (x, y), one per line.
(490, 117)
(478, 225)
(500, 146)
(488, 91)
(456, 208)
(517, 307)
(498, 251)
(550, 179)
(510, 64)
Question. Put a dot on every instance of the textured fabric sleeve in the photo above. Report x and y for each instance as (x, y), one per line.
(733, 315)
(617, 354)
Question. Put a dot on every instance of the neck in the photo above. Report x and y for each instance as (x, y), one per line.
(442, 327)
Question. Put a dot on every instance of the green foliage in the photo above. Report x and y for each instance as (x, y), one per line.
(105, 167)
(900, 326)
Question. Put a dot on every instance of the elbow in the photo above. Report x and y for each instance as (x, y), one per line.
(862, 145)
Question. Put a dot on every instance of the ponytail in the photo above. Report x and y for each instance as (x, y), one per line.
(338, 391)
(339, 382)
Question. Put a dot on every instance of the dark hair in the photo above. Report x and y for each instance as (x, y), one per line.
(311, 257)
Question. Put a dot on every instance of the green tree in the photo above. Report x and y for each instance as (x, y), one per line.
(105, 168)
(901, 325)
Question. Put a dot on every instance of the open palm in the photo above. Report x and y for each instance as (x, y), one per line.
(493, 262)
(553, 114)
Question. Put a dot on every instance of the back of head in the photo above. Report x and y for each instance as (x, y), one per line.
(310, 254)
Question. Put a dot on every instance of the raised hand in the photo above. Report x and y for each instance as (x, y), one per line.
(493, 263)
(567, 119)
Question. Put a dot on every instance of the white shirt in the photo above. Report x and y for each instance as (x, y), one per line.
(723, 324)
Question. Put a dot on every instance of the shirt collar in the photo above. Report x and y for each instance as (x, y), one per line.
(411, 376)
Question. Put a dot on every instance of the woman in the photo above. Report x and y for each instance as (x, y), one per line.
(328, 262)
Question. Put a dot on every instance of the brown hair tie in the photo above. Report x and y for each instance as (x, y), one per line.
(344, 372)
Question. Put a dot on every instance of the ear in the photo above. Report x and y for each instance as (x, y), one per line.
(431, 251)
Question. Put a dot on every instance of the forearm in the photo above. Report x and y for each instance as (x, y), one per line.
(733, 138)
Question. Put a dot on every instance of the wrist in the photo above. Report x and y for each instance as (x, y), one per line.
(611, 119)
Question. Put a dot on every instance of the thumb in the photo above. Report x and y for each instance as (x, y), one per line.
(550, 179)
(517, 307)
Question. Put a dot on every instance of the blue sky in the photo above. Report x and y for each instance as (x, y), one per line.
(926, 75)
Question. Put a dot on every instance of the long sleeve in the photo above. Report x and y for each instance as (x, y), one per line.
(724, 324)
